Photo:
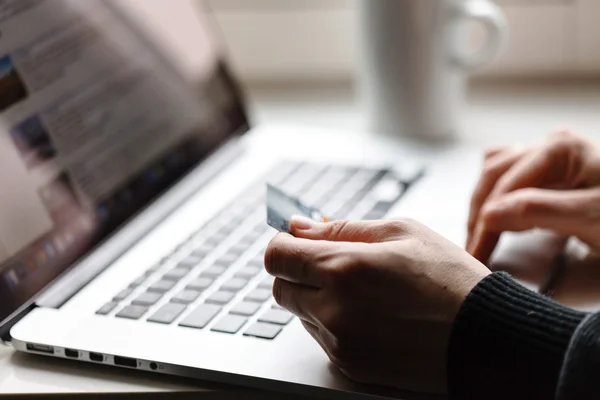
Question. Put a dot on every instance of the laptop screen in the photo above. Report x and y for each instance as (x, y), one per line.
(95, 122)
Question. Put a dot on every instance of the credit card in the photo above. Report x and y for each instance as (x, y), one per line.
(281, 207)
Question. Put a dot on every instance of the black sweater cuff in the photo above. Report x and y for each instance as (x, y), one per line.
(580, 372)
(508, 342)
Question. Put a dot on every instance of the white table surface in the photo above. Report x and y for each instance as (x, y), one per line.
(497, 114)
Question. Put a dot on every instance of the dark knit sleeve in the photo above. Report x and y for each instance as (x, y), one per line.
(580, 374)
(508, 342)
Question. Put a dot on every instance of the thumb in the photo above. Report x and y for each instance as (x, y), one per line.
(347, 231)
(570, 213)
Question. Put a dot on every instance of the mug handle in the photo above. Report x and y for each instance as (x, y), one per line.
(494, 20)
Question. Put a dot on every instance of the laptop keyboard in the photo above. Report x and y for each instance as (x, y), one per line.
(216, 279)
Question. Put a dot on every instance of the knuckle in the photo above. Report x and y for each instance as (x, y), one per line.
(385, 230)
(563, 134)
(401, 225)
(564, 143)
(527, 203)
(491, 170)
(562, 146)
(336, 228)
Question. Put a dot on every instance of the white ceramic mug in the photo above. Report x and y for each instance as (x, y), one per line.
(414, 63)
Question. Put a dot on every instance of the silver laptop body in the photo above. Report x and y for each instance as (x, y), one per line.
(154, 261)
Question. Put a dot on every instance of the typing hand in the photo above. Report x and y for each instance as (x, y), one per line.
(555, 187)
(379, 297)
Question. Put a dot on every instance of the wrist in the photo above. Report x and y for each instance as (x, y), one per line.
(466, 282)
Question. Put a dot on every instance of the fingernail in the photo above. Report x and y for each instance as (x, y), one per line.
(301, 223)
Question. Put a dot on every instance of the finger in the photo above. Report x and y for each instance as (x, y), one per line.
(302, 301)
(299, 260)
(494, 151)
(349, 231)
(483, 244)
(493, 170)
(560, 163)
(557, 164)
(570, 213)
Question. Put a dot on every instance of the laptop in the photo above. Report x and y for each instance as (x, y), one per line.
(132, 212)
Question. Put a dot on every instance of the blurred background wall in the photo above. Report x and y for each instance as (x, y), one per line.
(291, 40)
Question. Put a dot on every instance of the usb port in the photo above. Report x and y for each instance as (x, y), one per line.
(40, 348)
(126, 362)
(96, 357)
(71, 353)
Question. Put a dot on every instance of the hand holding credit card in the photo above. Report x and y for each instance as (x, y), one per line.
(282, 207)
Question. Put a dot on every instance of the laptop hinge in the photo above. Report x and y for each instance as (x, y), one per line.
(5, 337)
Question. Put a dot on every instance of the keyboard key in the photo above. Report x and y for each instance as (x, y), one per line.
(247, 272)
(213, 272)
(203, 250)
(165, 259)
(234, 285)
(226, 260)
(176, 274)
(227, 229)
(108, 307)
(167, 313)
(281, 171)
(258, 295)
(245, 308)
(382, 207)
(200, 283)
(123, 294)
(237, 250)
(267, 283)
(370, 217)
(229, 324)
(162, 286)
(262, 330)
(261, 228)
(251, 237)
(277, 307)
(410, 171)
(215, 239)
(258, 262)
(247, 241)
(196, 240)
(185, 297)
(201, 316)
(278, 317)
(189, 262)
(184, 248)
(147, 299)
(220, 297)
(139, 281)
(132, 312)
(153, 269)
